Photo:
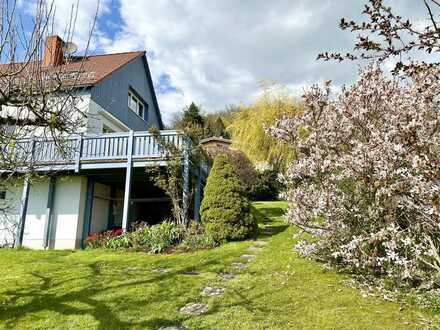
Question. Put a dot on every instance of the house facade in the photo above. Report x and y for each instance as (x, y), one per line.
(102, 184)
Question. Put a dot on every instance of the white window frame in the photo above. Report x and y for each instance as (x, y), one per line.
(136, 105)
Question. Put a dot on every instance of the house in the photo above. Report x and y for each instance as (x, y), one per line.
(102, 183)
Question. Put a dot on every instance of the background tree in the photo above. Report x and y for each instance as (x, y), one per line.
(216, 128)
(248, 128)
(191, 122)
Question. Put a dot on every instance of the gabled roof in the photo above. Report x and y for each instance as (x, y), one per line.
(98, 67)
(79, 70)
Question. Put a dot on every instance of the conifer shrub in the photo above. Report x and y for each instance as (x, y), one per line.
(225, 210)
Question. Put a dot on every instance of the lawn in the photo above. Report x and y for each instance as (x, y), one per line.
(107, 290)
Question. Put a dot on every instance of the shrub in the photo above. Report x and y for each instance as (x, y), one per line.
(160, 237)
(429, 300)
(101, 240)
(196, 238)
(266, 186)
(225, 210)
(156, 239)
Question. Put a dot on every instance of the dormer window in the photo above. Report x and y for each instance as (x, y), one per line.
(136, 104)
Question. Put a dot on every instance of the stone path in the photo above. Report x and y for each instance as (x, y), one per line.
(130, 269)
(199, 308)
(239, 265)
(190, 272)
(227, 276)
(194, 309)
(161, 270)
(248, 257)
(209, 291)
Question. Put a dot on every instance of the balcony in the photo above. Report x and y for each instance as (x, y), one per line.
(110, 150)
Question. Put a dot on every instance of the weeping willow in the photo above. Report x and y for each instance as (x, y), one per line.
(249, 122)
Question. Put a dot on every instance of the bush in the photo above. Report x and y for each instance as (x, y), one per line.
(225, 210)
(97, 241)
(196, 238)
(266, 186)
(429, 300)
(160, 237)
(156, 239)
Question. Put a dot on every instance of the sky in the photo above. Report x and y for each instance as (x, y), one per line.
(218, 53)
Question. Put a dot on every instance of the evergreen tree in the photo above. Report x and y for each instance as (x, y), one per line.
(225, 209)
(192, 116)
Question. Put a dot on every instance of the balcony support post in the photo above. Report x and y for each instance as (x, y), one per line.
(49, 213)
(23, 212)
(88, 210)
(127, 191)
(78, 154)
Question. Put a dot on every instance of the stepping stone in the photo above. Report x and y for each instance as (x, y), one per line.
(130, 269)
(267, 232)
(209, 291)
(227, 276)
(248, 257)
(190, 272)
(239, 265)
(173, 328)
(161, 270)
(255, 248)
(261, 243)
(194, 309)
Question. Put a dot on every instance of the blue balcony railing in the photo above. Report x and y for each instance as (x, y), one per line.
(106, 147)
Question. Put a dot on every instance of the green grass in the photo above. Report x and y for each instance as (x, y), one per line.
(107, 290)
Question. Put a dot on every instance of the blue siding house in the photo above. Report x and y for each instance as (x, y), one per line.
(102, 184)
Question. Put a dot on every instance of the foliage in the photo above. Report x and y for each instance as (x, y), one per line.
(196, 238)
(365, 181)
(429, 300)
(249, 123)
(199, 126)
(243, 167)
(191, 122)
(265, 187)
(225, 210)
(215, 127)
(100, 240)
(170, 178)
(389, 37)
(155, 239)
(160, 237)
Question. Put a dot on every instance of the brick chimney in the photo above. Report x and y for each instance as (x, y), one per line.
(53, 52)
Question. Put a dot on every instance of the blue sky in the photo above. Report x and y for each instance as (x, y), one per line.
(217, 52)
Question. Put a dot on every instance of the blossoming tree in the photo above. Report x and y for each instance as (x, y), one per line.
(366, 178)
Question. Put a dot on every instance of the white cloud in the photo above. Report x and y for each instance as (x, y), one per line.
(216, 52)
(73, 19)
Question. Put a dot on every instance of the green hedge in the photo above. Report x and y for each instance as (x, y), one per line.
(225, 210)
